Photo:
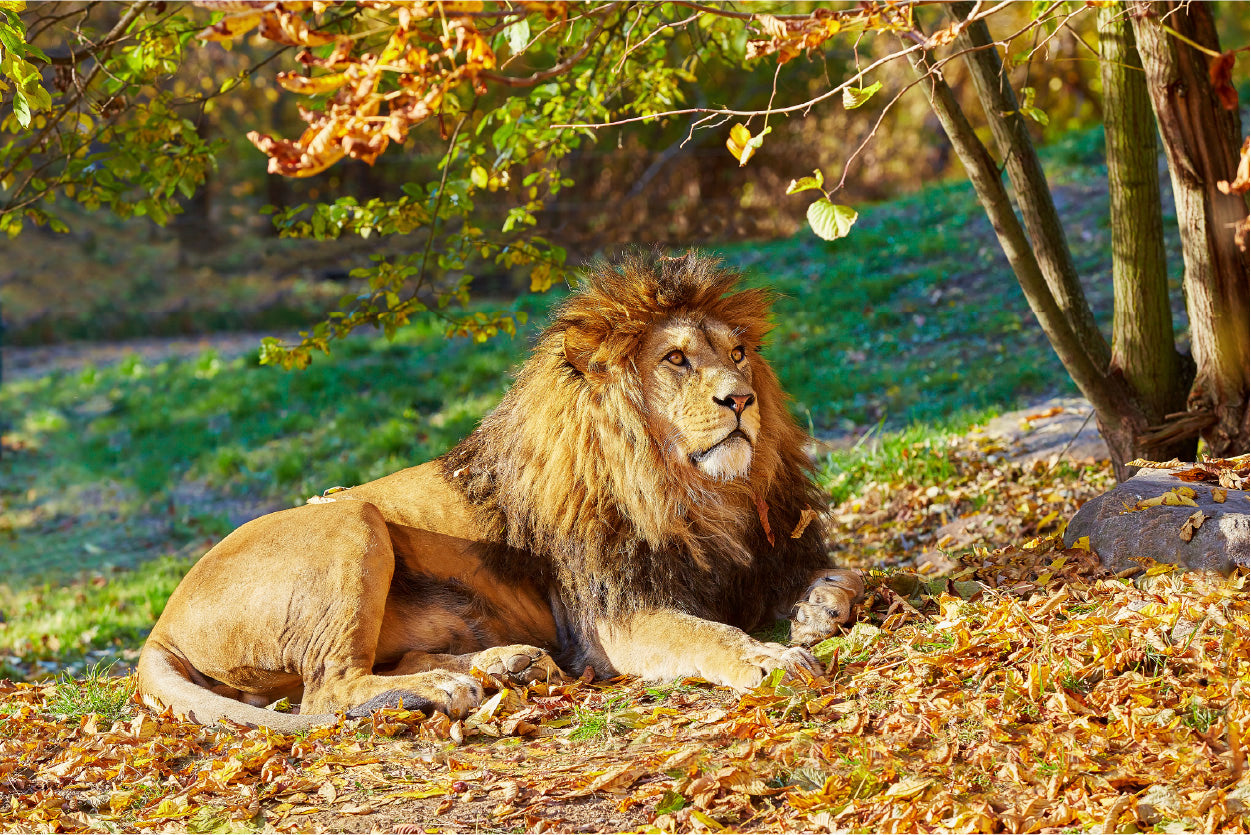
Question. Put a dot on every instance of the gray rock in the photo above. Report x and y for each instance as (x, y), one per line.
(1116, 535)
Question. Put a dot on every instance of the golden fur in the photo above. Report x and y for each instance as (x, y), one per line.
(630, 505)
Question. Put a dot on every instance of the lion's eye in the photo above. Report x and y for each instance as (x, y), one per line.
(676, 357)
(737, 354)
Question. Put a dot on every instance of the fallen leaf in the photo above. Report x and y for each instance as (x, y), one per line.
(805, 519)
(762, 510)
(1191, 525)
(910, 787)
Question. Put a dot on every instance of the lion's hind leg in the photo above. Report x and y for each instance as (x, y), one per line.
(332, 608)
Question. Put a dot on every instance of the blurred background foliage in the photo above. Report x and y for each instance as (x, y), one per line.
(218, 265)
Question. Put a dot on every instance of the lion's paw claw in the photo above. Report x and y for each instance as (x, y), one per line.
(767, 657)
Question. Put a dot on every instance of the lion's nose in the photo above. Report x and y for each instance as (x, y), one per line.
(737, 402)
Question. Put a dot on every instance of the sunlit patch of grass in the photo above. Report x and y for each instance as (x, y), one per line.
(105, 615)
(663, 692)
(95, 692)
(917, 454)
(604, 722)
(1200, 717)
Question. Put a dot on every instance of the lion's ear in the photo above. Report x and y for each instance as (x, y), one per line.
(582, 349)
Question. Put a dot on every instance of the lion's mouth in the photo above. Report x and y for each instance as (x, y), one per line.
(697, 457)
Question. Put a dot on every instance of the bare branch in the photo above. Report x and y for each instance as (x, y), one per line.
(722, 111)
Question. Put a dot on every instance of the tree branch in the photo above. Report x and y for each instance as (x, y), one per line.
(74, 98)
(553, 71)
(722, 111)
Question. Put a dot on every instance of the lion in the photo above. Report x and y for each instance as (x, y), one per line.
(639, 501)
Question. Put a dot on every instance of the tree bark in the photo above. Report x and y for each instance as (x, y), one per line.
(1142, 332)
(1042, 221)
(1202, 142)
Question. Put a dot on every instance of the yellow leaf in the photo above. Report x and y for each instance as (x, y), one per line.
(1177, 497)
(1082, 543)
(910, 787)
(231, 26)
(487, 710)
(418, 794)
(173, 808)
(707, 821)
(311, 86)
(541, 278)
(737, 143)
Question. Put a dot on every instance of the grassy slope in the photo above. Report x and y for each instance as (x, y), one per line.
(913, 319)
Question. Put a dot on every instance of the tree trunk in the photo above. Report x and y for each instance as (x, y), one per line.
(1142, 333)
(1042, 221)
(1116, 409)
(1202, 142)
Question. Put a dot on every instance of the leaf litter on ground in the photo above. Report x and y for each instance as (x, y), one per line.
(991, 681)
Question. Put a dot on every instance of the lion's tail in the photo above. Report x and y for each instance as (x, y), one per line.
(165, 677)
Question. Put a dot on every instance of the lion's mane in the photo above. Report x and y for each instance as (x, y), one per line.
(582, 496)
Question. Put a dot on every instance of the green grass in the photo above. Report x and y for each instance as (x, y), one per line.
(94, 620)
(93, 693)
(911, 328)
(604, 723)
(916, 452)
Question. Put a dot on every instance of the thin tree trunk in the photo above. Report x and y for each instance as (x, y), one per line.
(1119, 417)
(1202, 142)
(1142, 341)
(1042, 221)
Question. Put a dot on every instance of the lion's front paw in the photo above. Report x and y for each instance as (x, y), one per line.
(518, 663)
(455, 694)
(760, 659)
(826, 606)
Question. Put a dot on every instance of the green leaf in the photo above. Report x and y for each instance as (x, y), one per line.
(829, 221)
(518, 36)
(21, 109)
(756, 141)
(670, 802)
(1028, 109)
(1037, 114)
(854, 97)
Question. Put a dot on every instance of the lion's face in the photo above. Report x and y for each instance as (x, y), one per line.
(697, 390)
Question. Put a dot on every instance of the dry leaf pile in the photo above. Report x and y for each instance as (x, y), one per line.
(1027, 690)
